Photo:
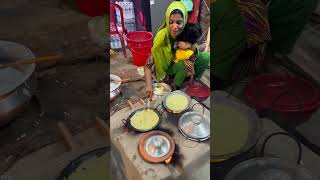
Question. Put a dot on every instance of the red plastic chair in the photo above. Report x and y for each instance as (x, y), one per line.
(114, 29)
(194, 16)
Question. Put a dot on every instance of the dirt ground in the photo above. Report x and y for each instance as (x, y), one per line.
(73, 94)
(124, 68)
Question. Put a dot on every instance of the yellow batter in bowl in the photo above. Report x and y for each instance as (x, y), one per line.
(177, 102)
(96, 168)
(144, 119)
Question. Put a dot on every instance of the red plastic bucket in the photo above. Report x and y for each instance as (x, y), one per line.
(140, 55)
(94, 7)
(139, 39)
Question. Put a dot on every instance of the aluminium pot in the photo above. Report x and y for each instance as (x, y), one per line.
(173, 116)
(17, 83)
(114, 86)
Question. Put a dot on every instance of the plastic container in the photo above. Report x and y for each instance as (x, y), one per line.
(139, 39)
(293, 98)
(139, 56)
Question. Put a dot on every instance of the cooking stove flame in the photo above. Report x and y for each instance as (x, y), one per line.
(167, 161)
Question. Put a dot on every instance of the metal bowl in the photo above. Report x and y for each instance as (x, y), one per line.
(114, 87)
(195, 126)
(172, 94)
(160, 89)
(17, 84)
(255, 125)
(143, 130)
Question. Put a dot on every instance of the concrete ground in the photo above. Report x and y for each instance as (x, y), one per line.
(71, 94)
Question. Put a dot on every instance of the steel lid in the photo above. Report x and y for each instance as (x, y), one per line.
(194, 125)
(269, 168)
(156, 146)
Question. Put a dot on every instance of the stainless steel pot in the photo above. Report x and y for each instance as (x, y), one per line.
(15, 93)
(177, 92)
(114, 87)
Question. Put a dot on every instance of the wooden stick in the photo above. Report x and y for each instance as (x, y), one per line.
(130, 104)
(126, 80)
(142, 101)
(31, 61)
(67, 136)
(103, 127)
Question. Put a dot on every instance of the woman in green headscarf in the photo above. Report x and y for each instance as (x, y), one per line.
(239, 25)
(161, 60)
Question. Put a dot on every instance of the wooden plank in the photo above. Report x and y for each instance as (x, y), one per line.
(103, 127)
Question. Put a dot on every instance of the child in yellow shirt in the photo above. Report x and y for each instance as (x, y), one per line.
(191, 33)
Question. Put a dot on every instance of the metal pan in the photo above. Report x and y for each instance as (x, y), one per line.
(172, 94)
(128, 120)
(254, 123)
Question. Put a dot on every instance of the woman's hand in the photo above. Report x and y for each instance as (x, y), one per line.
(184, 45)
(149, 91)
